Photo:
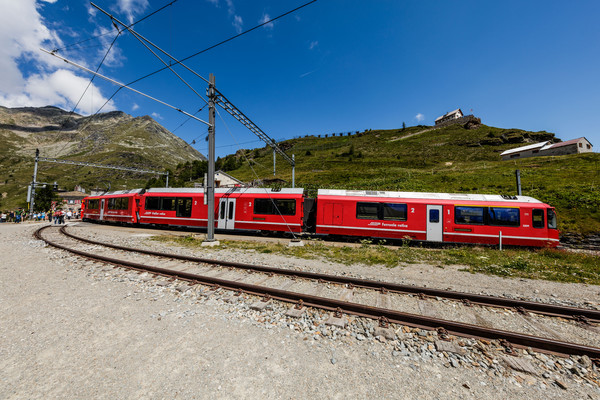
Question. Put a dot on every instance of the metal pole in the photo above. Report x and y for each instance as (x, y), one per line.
(294, 171)
(518, 174)
(37, 158)
(210, 184)
(167, 184)
(273, 162)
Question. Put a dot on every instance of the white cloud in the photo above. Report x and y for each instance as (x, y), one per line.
(313, 44)
(156, 115)
(60, 88)
(30, 77)
(264, 19)
(135, 106)
(238, 23)
(230, 7)
(419, 117)
(132, 7)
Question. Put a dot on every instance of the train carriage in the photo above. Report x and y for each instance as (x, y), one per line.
(437, 217)
(119, 206)
(235, 209)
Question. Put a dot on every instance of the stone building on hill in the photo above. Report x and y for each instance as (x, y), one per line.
(456, 114)
(573, 146)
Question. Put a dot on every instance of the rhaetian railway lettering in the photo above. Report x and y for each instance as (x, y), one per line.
(388, 224)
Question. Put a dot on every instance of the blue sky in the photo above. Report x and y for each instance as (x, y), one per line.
(333, 66)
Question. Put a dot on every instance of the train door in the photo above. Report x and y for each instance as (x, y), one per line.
(434, 223)
(226, 213)
(333, 214)
(102, 209)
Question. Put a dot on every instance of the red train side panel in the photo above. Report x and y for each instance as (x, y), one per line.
(437, 217)
(236, 208)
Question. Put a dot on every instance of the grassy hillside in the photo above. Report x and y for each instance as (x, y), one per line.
(451, 159)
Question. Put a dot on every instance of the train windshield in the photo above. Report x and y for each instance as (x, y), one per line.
(551, 219)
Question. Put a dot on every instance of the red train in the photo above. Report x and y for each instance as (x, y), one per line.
(430, 217)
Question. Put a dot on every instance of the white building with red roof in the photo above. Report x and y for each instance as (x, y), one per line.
(573, 146)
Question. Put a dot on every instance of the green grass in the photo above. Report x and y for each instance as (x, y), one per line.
(546, 264)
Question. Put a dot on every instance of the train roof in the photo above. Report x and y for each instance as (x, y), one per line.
(427, 196)
(118, 192)
(240, 190)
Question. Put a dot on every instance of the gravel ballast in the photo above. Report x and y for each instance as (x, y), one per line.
(72, 328)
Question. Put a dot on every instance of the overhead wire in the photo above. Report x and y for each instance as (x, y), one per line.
(69, 116)
(97, 69)
(107, 33)
(223, 42)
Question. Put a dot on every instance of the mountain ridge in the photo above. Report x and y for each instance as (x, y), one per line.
(113, 138)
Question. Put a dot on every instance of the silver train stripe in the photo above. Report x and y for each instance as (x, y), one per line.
(503, 236)
(369, 228)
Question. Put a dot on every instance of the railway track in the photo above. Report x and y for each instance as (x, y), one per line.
(361, 297)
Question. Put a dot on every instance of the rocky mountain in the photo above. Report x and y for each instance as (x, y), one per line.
(113, 138)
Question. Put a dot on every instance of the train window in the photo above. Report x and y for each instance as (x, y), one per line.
(93, 204)
(434, 216)
(367, 210)
(124, 203)
(275, 206)
(230, 217)
(537, 218)
(112, 204)
(184, 207)
(503, 216)
(394, 211)
(167, 204)
(468, 215)
(222, 216)
(551, 219)
(152, 203)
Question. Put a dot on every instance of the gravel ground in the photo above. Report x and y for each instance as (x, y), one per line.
(72, 328)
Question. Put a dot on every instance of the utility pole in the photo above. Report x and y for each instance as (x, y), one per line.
(518, 175)
(274, 162)
(210, 184)
(37, 158)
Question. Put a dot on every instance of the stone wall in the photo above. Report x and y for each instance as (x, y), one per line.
(468, 121)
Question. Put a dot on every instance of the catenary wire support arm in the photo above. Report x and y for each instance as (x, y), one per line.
(244, 120)
(122, 85)
(88, 164)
